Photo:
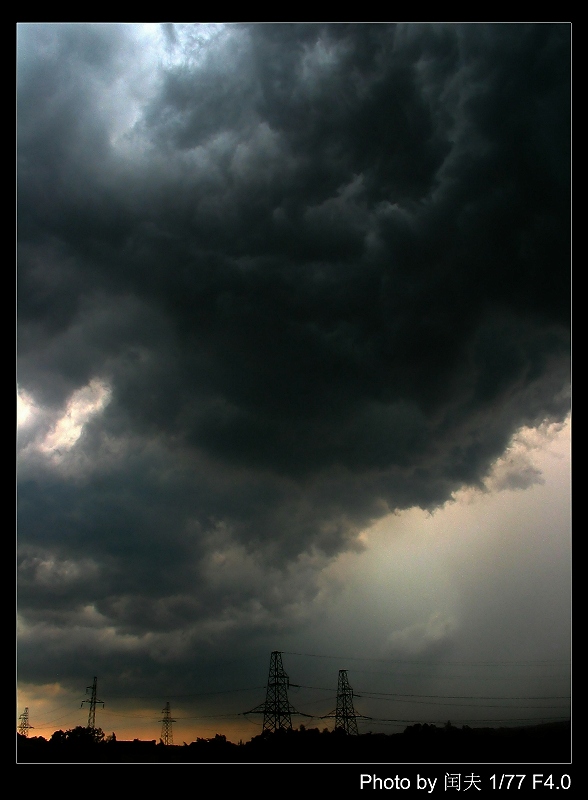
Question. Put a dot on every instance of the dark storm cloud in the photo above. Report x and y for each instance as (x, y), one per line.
(324, 270)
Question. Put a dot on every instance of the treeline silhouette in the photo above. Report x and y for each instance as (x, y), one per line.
(419, 744)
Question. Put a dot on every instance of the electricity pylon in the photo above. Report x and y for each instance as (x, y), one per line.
(93, 702)
(345, 716)
(23, 723)
(277, 710)
(167, 736)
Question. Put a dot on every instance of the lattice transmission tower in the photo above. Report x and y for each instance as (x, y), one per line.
(93, 702)
(345, 716)
(277, 710)
(23, 723)
(167, 735)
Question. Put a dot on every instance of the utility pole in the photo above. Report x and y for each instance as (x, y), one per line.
(23, 723)
(93, 702)
(345, 716)
(277, 711)
(167, 736)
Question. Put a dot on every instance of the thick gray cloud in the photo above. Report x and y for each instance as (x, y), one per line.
(323, 273)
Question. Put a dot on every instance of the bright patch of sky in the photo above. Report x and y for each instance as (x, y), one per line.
(84, 404)
(158, 48)
(497, 558)
(25, 407)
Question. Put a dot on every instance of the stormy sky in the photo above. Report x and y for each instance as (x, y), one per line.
(293, 371)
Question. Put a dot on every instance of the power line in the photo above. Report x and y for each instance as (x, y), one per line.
(370, 696)
(440, 696)
(179, 696)
(473, 697)
(436, 663)
(536, 720)
(401, 675)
